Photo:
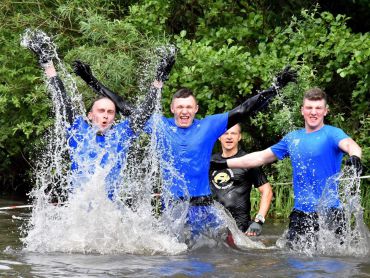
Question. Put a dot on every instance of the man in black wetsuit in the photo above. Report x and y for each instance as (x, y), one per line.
(232, 187)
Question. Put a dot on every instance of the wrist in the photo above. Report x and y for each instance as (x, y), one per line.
(259, 219)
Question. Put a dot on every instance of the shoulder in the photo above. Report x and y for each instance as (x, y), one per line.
(216, 156)
(240, 152)
(216, 117)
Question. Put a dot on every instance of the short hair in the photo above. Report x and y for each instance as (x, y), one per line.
(315, 94)
(239, 125)
(99, 98)
(183, 93)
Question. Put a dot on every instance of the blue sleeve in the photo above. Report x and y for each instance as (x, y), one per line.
(148, 127)
(218, 124)
(337, 135)
(281, 149)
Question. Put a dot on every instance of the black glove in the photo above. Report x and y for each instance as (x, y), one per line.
(255, 227)
(355, 161)
(40, 44)
(218, 165)
(166, 63)
(284, 77)
(83, 70)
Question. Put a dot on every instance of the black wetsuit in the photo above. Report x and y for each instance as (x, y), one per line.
(232, 188)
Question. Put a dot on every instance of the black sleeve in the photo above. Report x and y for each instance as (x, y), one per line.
(56, 84)
(257, 176)
(251, 106)
(143, 112)
(122, 106)
(260, 101)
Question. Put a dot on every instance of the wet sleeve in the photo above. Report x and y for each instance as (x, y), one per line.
(144, 111)
(56, 84)
(337, 135)
(258, 177)
(281, 149)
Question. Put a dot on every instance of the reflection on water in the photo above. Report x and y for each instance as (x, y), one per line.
(219, 261)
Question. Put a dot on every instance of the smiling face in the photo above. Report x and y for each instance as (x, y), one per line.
(230, 140)
(313, 112)
(184, 110)
(102, 114)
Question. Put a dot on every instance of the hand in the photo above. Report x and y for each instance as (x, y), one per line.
(218, 165)
(254, 229)
(166, 63)
(355, 161)
(284, 77)
(40, 44)
(83, 70)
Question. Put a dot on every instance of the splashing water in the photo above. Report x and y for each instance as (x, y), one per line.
(82, 218)
(341, 232)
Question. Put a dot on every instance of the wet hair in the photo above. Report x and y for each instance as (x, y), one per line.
(315, 94)
(183, 93)
(97, 99)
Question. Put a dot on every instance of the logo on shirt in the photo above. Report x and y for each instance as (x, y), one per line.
(222, 179)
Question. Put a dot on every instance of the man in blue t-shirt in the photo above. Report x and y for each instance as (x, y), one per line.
(186, 144)
(97, 140)
(316, 153)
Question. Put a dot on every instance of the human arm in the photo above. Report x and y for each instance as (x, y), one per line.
(252, 160)
(261, 100)
(266, 197)
(143, 112)
(45, 50)
(83, 70)
(349, 146)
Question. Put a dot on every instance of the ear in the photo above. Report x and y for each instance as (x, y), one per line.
(172, 109)
(302, 110)
(327, 110)
(239, 137)
(90, 116)
(196, 108)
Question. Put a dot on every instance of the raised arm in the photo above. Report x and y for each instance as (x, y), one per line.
(143, 112)
(261, 100)
(45, 50)
(83, 70)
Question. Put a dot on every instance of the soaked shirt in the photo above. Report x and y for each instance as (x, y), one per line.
(188, 151)
(232, 188)
(89, 150)
(316, 159)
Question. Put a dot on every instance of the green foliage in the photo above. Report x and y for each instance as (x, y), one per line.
(227, 52)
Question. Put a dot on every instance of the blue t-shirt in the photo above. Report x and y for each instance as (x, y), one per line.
(315, 157)
(188, 150)
(89, 150)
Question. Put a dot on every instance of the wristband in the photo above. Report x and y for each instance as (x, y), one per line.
(259, 219)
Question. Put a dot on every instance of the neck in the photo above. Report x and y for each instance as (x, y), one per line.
(309, 129)
(228, 153)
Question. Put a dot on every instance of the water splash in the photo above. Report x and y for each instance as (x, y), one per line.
(142, 218)
(341, 231)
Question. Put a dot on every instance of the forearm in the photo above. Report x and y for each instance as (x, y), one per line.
(355, 149)
(145, 110)
(251, 106)
(266, 197)
(349, 146)
(251, 160)
(57, 85)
